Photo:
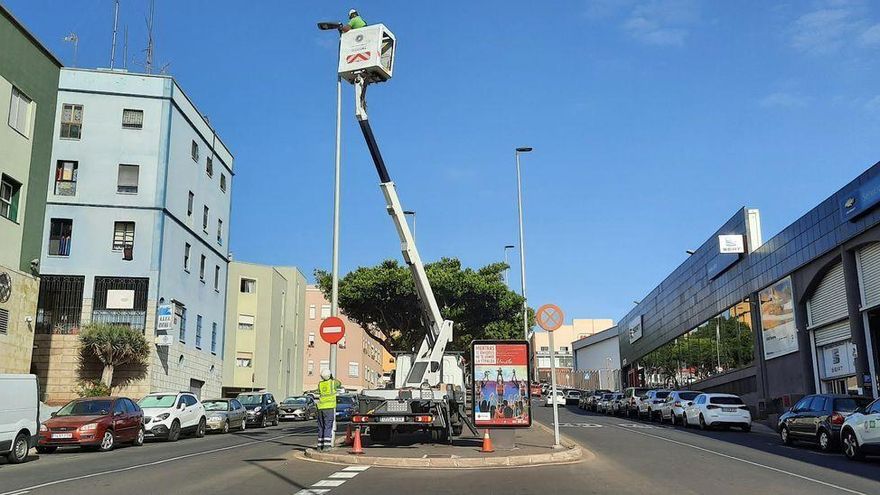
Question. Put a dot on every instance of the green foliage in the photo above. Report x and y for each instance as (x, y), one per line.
(113, 346)
(92, 388)
(382, 299)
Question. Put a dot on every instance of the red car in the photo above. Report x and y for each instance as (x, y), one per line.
(96, 422)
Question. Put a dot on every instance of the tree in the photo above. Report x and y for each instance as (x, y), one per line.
(114, 346)
(382, 299)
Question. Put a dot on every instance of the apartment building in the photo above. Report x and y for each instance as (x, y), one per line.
(359, 356)
(265, 318)
(137, 218)
(28, 82)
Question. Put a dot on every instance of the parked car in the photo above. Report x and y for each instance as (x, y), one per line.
(673, 408)
(225, 414)
(650, 402)
(860, 434)
(585, 397)
(603, 404)
(632, 397)
(594, 399)
(167, 415)
(711, 410)
(261, 408)
(346, 406)
(19, 416)
(297, 408)
(617, 405)
(96, 422)
(818, 419)
(572, 396)
(558, 399)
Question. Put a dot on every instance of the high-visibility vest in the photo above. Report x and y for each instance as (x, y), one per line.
(327, 389)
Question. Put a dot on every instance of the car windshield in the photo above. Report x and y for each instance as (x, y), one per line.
(345, 399)
(156, 401)
(850, 404)
(640, 391)
(662, 395)
(296, 401)
(727, 401)
(85, 408)
(606, 396)
(215, 405)
(251, 400)
(688, 395)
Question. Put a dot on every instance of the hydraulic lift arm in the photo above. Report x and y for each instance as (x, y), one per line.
(426, 365)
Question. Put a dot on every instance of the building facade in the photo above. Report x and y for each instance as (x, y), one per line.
(597, 361)
(359, 355)
(794, 315)
(28, 86)
(137, 217)
(563, 338)
(265, 318)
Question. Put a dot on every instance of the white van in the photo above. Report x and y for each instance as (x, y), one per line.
(19, 416)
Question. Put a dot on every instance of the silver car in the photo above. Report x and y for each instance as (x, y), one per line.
(225, 414)
(297, 408)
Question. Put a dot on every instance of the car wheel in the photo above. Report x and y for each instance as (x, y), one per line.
(263, 422)
(139, 438)
(785, 435)
(851, 446)
(107, 441)
(46, 450)
(824, 441)
(684, 421)
(243, 424)
(275, 421)
(747, 428)
(174, 431)
(225, 426)
(200, 429)
(19, 450)
(703, 425)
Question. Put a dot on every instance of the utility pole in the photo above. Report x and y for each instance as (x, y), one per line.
(522, 249)
(507, 262)
(115, 29)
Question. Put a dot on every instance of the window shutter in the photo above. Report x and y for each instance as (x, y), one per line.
(128, 177)
(828, 302)
(869, 273)
(832, 333)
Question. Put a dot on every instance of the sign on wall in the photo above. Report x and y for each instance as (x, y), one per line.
(731, 244)
(778, 329)
(164, 318)
(120, 299)
(501, 383)
(838, 360)
(635, 329)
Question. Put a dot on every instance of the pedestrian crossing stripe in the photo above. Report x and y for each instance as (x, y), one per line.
(579, 425)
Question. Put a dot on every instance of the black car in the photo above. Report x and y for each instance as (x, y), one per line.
(818, 419)
(262, 408)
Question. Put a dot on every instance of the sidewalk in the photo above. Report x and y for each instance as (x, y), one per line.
(534, 446)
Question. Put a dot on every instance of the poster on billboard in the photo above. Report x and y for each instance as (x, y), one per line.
(778, 329)
(501, 371)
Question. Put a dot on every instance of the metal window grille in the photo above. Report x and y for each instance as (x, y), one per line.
(132, 119)
(4, 321)
(123, 235)
(135, 317)
(59, 304)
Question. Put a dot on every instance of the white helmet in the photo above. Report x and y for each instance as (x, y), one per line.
(325, 374)
(352, 12)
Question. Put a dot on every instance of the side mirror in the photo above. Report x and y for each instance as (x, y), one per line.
(53, 414)
(117, 413)
(181, 405)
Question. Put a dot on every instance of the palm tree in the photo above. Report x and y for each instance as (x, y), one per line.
(113, 345)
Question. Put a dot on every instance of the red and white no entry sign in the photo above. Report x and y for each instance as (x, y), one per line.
(332, 330)
(549, 317)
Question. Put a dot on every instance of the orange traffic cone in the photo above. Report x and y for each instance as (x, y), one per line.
(487, 443)
(348, 437)
(356, 444)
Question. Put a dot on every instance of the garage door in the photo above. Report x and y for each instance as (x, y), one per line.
(869, 273)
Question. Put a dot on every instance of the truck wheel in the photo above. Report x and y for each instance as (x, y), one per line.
(457, 429)
(439, 435)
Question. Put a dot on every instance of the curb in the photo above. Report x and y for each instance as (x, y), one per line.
(570, 455)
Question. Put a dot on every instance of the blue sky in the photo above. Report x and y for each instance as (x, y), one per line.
(652, 122)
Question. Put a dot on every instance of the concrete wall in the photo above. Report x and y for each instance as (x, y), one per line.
(604, 354)
(17, 343)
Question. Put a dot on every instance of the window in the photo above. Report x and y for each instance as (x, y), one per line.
(244, 359)
(180, 313)
(311, 339)
(217, 278)
(209, 167)
(186, 251)
(223, 182)
(195, 151)
(818, 404)
(353, 369)
(9, 193)
(248, 285)
(198, 331)
(563, 348)
(132, 119)
(246, 322)
(312, 312)
(205, 219)
(202, 269)
(325, 311)
(803, 404)
(65, 177)
(127, 181)
(71, 121)
(123, 235)
(545, 348)
(189, 204)
(19, 112)
(219, 231)
(60, 236)
(311, 368)
(119, 407)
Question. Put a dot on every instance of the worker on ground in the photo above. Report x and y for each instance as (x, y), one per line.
(354, 21)
(327, 409)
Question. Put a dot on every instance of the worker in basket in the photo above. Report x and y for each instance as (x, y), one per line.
(327, 388)
(354, 21)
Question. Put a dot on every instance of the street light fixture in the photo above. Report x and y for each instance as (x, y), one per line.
(413, 215)
(522, 249)
(507, 262)
(690, 252)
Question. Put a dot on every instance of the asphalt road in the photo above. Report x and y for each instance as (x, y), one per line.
(630, 457)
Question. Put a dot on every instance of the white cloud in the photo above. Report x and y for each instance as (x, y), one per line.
(653, 33)
(653, 22)
(871, 36)
(833, 26)
(783, 100)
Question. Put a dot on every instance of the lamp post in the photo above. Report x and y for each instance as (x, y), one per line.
(413, 215)
(334, 285)
(507, 262)
(522, 249)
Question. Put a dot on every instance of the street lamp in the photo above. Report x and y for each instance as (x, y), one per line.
(334, 285)
(689, 252)
(522, 249)
(507, 262)
(413, 215)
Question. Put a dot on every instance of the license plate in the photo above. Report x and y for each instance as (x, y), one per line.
(62, 435)
(391, 419)
(728, 409)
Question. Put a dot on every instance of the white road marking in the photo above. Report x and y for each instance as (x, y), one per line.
(21, 493)
(333, 483)
(751, 463)
(635, 425)
(139, 466)
(579, 425)
(356, 468)
(313, 491)
(344, 475)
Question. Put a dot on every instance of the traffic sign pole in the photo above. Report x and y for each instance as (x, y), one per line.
(553, 391)
(550, 318)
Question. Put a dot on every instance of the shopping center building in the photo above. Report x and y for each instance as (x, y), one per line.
(797, 314)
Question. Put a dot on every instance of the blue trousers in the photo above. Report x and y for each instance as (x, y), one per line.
(326, 424)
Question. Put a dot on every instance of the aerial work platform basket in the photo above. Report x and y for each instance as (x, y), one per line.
(368, 52)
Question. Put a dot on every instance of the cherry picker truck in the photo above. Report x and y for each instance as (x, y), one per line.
(429, 392)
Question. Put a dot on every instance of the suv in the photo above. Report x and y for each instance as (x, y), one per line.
(818, 419)
(632, 397)
(651, 402)
(261, 408)
(168, 414)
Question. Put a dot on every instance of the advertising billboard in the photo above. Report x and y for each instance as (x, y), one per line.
(778, 329)
(501, 371)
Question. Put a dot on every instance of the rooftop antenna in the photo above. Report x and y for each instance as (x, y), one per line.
(149, 61)
(125, 49)
(115, 29)
(73, 38)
